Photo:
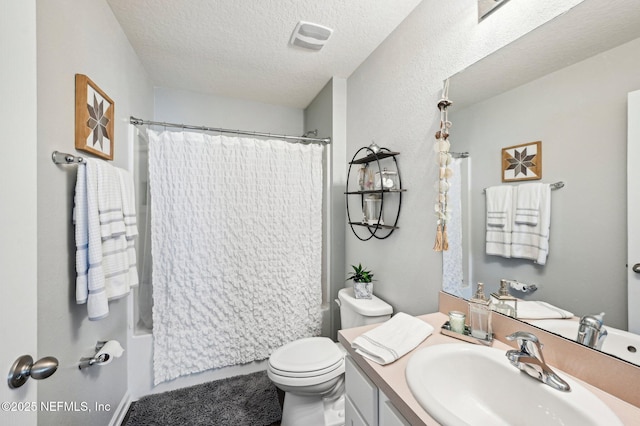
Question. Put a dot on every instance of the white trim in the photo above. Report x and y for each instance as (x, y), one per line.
(120, 413)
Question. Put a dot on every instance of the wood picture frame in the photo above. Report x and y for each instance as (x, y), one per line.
(522, 162)
(94, 119)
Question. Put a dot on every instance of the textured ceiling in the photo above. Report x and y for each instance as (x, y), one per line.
(240, 48)
(589, 28)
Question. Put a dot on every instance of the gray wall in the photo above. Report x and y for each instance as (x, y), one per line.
(326, 113)
(182, 106)
(392, 99)
(580, 115)
(78, 37)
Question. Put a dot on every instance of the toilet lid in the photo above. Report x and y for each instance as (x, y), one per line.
(306, 357)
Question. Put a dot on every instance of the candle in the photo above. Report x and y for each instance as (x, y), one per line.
(456, 321)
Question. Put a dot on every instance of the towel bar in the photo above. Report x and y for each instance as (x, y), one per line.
(556, 185)
(64, 158)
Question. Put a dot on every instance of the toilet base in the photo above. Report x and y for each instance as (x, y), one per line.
(314, 410)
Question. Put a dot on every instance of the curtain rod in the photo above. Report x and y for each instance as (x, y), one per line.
(138, 121)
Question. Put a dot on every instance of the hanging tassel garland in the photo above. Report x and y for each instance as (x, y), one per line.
(444, 158)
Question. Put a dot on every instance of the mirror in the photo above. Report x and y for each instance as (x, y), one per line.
(565, 84)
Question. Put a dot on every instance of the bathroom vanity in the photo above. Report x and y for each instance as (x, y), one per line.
(380, 395)
(365, 403)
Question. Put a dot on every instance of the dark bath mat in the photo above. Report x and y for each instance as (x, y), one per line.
(241, 400)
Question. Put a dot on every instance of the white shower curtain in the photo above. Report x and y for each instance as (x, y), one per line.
(236, 246)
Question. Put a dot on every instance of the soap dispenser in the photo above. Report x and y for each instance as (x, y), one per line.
(480, 315)
(503, 302)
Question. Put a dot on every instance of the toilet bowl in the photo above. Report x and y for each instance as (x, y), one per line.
(311, 370)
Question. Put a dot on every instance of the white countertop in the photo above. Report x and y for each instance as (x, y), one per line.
(391, 380)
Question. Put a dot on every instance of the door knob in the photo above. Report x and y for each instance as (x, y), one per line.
(24, 367)
(636, 268)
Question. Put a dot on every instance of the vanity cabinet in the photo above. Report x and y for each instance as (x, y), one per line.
(361, 396)
(365, 404)
(388, 415)
(377, 183)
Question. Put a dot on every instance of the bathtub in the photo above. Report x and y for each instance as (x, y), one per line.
(140, 361)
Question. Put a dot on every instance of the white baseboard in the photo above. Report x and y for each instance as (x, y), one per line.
(121, 411)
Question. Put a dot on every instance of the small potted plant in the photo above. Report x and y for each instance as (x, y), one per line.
(362, 282)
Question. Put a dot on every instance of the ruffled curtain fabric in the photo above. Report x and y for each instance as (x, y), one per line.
(237, 248)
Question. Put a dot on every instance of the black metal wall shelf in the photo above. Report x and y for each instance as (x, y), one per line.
(375, 191)
(378, 230)
(373, 226)
(374, 156)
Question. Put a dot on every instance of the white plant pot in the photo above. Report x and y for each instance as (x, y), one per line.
(363, 290)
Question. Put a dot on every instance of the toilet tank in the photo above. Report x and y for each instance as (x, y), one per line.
(356, 312)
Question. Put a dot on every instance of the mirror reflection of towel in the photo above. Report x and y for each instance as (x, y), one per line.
(528, 203)
(499, 200)
(533, 309)
(532, 241)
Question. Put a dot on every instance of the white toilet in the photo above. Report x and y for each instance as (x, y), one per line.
(311, 370)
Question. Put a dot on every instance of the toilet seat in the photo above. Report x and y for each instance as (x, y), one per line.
(301, 382)
(303, 374)
(307, 361)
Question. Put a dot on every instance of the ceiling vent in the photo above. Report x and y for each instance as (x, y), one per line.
(310, 36)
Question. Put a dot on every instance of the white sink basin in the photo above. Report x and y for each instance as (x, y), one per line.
(620, 343)
(464, 384)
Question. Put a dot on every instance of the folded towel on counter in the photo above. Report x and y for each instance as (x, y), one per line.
(532, 241)
(499, 201)
(528, 203)
(392, 339)
(532, 309)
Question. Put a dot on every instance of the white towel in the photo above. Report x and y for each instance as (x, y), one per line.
(496, 219)
(109, 201)
(528, 203)
(90, 281)
(499, 202)
(532, 241)
(531, 309)
(80, 221)
(392, 339)
(104, 267)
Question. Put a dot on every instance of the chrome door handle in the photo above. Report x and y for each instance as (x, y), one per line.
(636, 268)
(24, 367)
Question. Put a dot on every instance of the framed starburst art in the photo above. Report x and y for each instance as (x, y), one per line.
(94, 119)
(522, 162)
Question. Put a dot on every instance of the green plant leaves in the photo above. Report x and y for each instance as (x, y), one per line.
(360, 274)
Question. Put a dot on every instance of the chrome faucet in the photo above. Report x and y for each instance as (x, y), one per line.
(592, 332)
(530, 360)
